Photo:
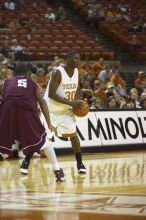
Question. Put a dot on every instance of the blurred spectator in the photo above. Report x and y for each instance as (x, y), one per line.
(135, 97)
(5, 50)
(110, 91)
(104, 74)
(98, 103)
(111, 103)
(135, 45)
(86, 94)
(24, 20)
(98, 66)
(118, 81)
(13, 25)
(61, 14)
(130, 104)
(143, 103)
(122, 102)
(101, 92)
(133, 90)
(50, 15)
(3, 60)
(139, 82)
(8, 4)
(143, 95)
(135, 27)
(41, 80)
(18, 52)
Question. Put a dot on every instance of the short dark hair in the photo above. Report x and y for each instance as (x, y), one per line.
(20, 69)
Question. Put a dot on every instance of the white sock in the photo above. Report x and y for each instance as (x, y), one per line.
(50, 154)
(15, 146)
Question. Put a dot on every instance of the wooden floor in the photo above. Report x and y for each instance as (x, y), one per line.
(113, 188)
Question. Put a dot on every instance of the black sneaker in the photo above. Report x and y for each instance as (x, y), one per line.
(15, 154)
(24, 167)
(1, 157)
(60, 177)
(81, 168)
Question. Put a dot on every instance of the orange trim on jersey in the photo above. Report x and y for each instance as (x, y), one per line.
(69, 135)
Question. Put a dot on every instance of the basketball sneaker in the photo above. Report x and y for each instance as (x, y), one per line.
(60, 177)
(24, 167)
(1, 157)
(81, 168)
(15, 154)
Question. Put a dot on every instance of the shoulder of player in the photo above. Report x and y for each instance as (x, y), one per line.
(56, 73)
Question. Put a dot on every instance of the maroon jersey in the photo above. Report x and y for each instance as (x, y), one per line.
(19, 118)
(21, 90)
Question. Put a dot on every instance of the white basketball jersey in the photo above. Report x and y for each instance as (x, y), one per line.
(66, 89)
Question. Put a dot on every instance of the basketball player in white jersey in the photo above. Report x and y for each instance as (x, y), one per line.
(61, 95)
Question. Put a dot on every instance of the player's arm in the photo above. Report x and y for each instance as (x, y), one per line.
(78, 92)
(54, 84)
(44, 109)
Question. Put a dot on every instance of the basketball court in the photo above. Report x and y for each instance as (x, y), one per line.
(113, 188)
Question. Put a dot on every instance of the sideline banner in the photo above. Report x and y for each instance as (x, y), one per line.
(105, 128)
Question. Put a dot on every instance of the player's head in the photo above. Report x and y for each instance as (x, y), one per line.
(72, 59)
(20, 70)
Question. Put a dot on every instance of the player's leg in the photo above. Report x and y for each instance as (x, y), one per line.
(25, 163)
(51, 155)
(67, 128)
(78, 155)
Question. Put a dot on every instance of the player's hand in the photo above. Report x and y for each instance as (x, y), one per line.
(52, 129)
(76, 104)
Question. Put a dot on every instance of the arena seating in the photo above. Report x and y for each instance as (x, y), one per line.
(50, 38)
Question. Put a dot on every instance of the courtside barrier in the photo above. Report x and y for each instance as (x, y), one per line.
(102, 128)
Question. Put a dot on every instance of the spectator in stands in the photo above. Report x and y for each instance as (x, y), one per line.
(13, 25)
(135, 97)
(143, 103)
(140, 81)
(24, 20)
(127, 17)
(110, 16)
(135, 27)
(91, 14)
(61, 14)
(122, 102)
(50, 15)
(3, 59)
(18, 52)
(98, 66)
(118, 81)
(10, 5)
(117, 97)
(143, 95)
(5, 49)
(41, 80)
(104, 74)
(98, 103)
(110, 91)
(135, 45)
(123, 6)
(130, 104)
(101, 92)
(133, 90)
(111, 103)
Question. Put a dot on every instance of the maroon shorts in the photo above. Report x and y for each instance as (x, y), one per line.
(23, 124)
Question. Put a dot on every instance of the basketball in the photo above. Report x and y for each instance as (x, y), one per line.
(82, 109)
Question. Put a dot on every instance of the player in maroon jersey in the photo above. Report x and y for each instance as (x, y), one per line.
(19, 120)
